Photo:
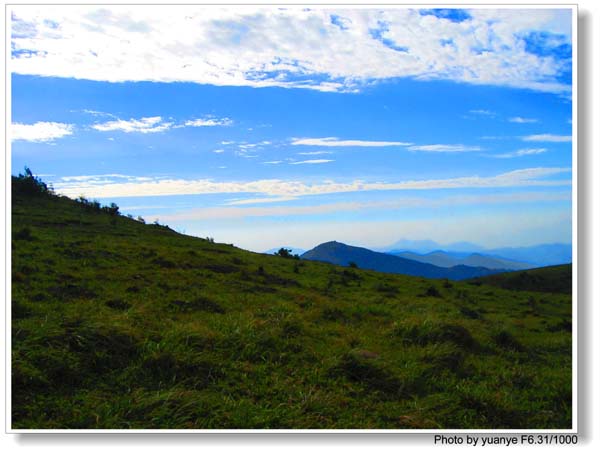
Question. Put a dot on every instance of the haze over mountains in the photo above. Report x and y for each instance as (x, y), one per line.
(536, 255)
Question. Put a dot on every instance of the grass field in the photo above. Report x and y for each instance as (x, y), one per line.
(119, 324)
(556, 279)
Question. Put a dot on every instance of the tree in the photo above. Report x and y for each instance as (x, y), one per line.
(28, 184)
(286, 253)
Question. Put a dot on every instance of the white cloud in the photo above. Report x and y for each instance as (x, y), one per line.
(272, 162)
(450, 148)
(314, 153)
(335, 142)
(522, 120)
(288, 47)
(313, 161)
(40, 131)
(252, 201)
(210, 122)
(219, 151)
(143, 125)
(107, 187)
(483, 112)
(546, 138)
(522, 152)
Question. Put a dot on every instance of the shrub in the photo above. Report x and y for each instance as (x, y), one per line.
(24, 234)
(432, 291)
(286, 253)
(507, 341)
(30, 185)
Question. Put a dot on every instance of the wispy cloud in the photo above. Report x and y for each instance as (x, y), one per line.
(483, 112)
(143, 125)
(220, 150)
(313, 161)
(40, 131)
(253, 201)
(522, 152)
(273, 162)
(522, 120)
(209, 122)
(314, 153)
(336, 142)
(272, 187)
(450, 148)
(546, 138)
(266, 46)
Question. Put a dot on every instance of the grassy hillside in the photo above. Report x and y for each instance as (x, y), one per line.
(544, 279)
(117, 324)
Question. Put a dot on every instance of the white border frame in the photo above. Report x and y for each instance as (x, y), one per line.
(574, 205)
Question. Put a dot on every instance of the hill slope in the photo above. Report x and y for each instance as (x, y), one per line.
(543, 279)
(342, 254)
(117, 324)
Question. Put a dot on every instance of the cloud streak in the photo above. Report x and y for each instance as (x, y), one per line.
(40, 131)
(312, 161)
(236, 213)
(522, 152)
(107, 187)
(522, 120)
(336, 142)
(444, 148)
(546, 138)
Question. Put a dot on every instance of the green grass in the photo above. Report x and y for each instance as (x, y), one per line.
(556, 279)
(117, 324)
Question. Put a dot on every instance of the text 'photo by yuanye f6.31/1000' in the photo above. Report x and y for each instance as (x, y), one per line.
(291, 218)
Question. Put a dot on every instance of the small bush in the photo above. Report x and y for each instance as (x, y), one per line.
(430, 333)
(334, 315)
(118, 304)
(199, 304)
(369, 374)
(507, 341)
(432, 291)
(24, 234)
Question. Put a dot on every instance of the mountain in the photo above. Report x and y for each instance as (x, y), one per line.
(449, 259)
(538, 255)
(342, 254)
(117, 324)
(545, 279)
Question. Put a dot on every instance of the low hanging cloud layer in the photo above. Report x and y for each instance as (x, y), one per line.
(105, 187)
(317, 48)
(236, 213)
(40, 131)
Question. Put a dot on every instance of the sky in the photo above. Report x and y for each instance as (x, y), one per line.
(267, 126)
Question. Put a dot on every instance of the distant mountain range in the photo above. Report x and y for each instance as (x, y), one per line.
(536, 256)
(449, 259)
(342, 254)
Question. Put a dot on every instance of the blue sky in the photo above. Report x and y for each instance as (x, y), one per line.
(269, 127)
